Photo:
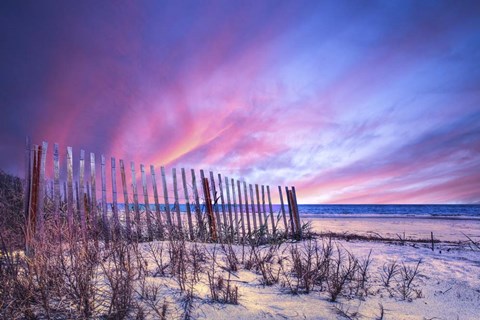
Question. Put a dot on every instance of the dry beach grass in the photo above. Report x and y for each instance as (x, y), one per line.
(325, 276)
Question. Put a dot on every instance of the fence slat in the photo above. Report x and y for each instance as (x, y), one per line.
(202, 177)
(265, 215)
(81, 192)
(136, 206)
(56, 182)
(187, 204)
(252, 202)
(77, 202)
(41, 203)
(158, 213)
(218, 222)
(296, 213)
(247, 213)
(240, 219)
(290, 212)
(233, 230)
(259, 210)
(177, 203)
(28, 179)
(70, 189)
(146, 203)
(235, 209)
(165, 197)
(208, 205)
(274, 225)
(222, 203)
(198, 210)
(106, 229)
(116, 220)
(282, 208)
(88, 204)
(31, 217)
(93, 193)
(128, 220)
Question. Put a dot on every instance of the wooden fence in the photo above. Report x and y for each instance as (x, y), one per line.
(222, 210)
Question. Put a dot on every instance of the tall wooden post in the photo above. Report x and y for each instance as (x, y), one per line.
(274, 225)
(177, 203)
(70, 219)
(136, 206)
(148, 210)
(229, 205)
(106, 229)
(210, 215)
(165, 198)
(94, 192)
(222, 203)
(198, 211)
(290, 211)
(282, 209)
(264, 209)
(81, 191)
(158, 214)
(128, 220)
(247, 213)
(56, 183)
(187, 204)
(252, 201)
(240, 210)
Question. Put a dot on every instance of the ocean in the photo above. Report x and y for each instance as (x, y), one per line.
(383, 210)
(370, 210)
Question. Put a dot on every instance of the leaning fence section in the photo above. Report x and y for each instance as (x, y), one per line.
(101, 199)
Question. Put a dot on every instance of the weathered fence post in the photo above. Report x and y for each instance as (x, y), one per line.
(136, 206)
(259, 210)
(106, 229)
(297, 214)
(274, 225)
(229, 204)
(245, 195)
(116, 220)
(222, 203)
(33, 195)
(235, 209)
(208, 205)
(126, 203)
(198, 211)
(56, 184)
(167, 204)
(282, 209)
(81, 191)
(187, 204)
(202, 177)
(71, 225)
(94, 221)
(265, 215)
(28, 179)
(158, 213)
(146, 203)
(177, 203)
(252, 201)
(41, 192)
(215, 198)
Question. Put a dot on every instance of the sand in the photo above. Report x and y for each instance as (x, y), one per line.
(444, 229)
(449, 280)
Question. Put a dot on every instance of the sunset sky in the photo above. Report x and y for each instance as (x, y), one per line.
(350, 101)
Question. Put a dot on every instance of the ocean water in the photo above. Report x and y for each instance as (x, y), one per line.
(422, 210)
(373, 210)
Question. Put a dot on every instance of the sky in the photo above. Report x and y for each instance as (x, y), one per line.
(350, 101)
